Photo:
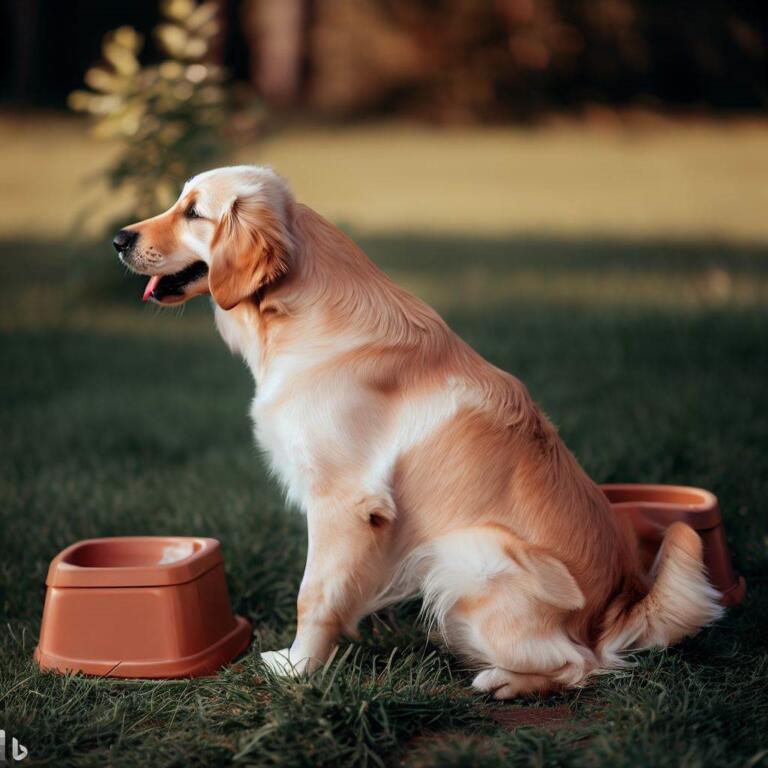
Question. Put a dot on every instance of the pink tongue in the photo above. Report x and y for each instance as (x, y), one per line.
(151, 285)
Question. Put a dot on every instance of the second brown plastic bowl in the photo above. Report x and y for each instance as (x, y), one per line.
(653, 508)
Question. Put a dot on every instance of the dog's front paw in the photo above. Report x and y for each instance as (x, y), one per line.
(280, 663)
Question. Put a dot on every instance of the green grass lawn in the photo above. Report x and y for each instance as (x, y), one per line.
(120, 419)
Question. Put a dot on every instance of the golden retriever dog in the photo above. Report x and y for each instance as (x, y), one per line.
(421, 468)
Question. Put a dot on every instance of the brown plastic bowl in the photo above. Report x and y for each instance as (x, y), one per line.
(150, 606)
(653, 508)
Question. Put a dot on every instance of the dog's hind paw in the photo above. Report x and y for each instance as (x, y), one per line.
(280, 663)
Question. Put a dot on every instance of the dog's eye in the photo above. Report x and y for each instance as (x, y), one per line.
(191, 213)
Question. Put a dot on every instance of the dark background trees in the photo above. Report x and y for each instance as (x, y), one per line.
(444, 60)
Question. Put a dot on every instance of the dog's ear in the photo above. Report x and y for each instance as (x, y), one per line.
(552, 581)
(249, 250)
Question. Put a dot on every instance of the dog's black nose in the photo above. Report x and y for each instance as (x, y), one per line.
(124, 239)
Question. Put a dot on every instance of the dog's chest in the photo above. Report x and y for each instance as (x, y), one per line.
(289, 445)
(300, 421)
(300, 413)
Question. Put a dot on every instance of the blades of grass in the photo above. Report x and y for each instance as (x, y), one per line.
(260, 734)
(337, 669)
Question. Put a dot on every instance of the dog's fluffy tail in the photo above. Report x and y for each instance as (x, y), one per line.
(679, 604)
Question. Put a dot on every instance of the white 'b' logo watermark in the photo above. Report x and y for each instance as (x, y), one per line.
(18, 751)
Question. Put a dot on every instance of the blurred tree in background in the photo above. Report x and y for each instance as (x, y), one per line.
(459, 60)
(443, 60)
(168, 116)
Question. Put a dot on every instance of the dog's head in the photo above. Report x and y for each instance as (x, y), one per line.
(228, 234)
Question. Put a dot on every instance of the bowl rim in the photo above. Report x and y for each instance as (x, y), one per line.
(701, 512)
(62, 572)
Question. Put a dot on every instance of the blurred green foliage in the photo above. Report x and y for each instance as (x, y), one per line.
(167, 116)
